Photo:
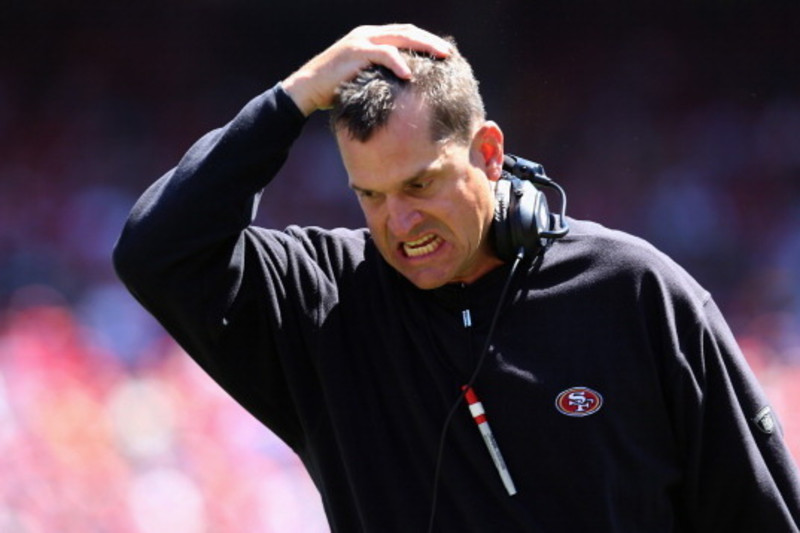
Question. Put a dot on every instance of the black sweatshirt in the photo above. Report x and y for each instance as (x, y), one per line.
(615, 391)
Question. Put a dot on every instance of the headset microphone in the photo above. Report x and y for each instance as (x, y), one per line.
(523, 222)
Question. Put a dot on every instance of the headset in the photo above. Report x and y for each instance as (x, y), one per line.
(523, 222)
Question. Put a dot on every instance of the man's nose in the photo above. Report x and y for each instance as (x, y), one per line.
(402, 216)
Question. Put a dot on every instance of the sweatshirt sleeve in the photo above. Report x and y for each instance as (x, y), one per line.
(740, 475)
(188, 254)
(213, 192)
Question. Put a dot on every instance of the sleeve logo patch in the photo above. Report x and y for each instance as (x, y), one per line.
(579, 401)
(765, 421)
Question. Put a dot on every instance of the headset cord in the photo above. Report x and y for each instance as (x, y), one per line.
(439, 454)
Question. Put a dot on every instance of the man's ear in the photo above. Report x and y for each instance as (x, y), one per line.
(487, 146)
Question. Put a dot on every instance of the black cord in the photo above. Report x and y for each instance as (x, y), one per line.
(439, 454)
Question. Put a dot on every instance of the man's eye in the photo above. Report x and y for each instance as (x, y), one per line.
(366, 195)
(420, 185)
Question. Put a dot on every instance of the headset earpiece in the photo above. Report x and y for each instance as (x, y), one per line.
(531, 216)
(522, 218)
(501, 231)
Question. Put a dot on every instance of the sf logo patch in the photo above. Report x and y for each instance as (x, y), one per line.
(579, 401)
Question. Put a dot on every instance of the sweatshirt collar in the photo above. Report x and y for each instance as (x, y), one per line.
(481, 293)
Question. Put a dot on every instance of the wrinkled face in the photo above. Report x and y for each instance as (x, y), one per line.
(428, 205)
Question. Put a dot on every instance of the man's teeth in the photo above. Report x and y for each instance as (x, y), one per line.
(422, 246)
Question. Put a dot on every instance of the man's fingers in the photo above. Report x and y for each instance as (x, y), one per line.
(389, 39)
(410, 37)
(390, 57)
(312, 86)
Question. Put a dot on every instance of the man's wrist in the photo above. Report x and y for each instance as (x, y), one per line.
(294, 87)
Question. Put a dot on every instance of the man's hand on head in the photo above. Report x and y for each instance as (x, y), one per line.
(312, 87)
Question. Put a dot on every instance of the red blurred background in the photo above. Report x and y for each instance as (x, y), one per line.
(680, 125)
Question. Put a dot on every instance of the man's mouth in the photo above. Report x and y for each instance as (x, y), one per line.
(422, 246)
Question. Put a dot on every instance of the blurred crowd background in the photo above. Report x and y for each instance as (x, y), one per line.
(680, 125)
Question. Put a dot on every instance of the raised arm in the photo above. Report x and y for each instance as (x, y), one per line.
(187, 230)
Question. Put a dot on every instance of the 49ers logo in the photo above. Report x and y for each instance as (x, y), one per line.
(579, 401)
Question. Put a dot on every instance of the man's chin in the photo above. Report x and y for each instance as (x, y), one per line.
(429, 286)
(426, 280)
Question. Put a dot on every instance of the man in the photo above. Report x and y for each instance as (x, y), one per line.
(617, 397)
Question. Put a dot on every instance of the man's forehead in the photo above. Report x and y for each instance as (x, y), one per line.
(396, 177)
(384, 175)
(410, 117)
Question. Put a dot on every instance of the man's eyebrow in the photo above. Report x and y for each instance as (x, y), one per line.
(357, 189)
(422, 173)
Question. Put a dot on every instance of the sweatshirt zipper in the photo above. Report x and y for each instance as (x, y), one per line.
(467, 318)
(466, 322)
(466, 315)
